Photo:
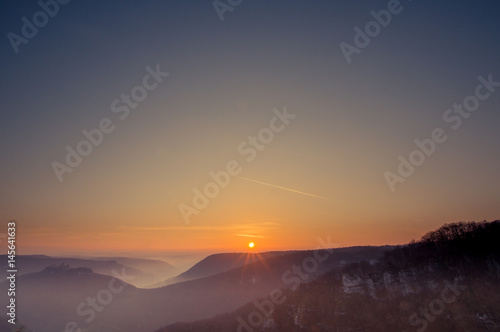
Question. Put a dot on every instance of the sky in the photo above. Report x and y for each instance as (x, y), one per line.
(303, 118)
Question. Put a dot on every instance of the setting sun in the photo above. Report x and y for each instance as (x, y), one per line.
(251, 244)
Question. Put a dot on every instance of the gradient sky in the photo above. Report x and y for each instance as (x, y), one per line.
(353, 121)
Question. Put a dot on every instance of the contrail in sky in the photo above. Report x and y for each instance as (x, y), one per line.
(247, 235)
(279, 187)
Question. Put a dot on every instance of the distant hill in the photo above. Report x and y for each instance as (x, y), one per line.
(52, 297)
(49, 300)
(158, 270)
(447, 281)
(218, 263)
(214, 264)
(36, 263)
